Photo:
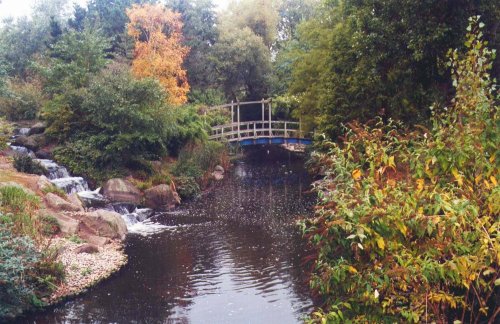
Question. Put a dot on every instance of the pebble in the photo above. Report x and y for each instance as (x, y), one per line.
(85, 270)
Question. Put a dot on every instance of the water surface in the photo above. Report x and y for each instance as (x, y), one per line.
(232, 256)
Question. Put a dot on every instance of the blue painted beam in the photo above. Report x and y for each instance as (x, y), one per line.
(273, 140)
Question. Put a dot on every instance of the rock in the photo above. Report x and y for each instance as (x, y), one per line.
(44, 153)
(161, 197)
(103, 223)
(218, 175)
(32, 143)
(59, 204)
(94, 239)
(68, 225)
(38, 128)
(92, 199)
(73, 199)
(43, 182)
(219, 169)
(120, 190)
(87, 248)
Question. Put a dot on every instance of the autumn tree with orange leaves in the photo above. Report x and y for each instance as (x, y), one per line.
(159, 52)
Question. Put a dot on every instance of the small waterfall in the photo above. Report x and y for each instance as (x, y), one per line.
(137, 219)
(22, 150)
(71, 184)
(55, 171)
(24, 131)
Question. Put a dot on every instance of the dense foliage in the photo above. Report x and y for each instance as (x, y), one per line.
(407, 229)
(26, 273)
(159, 53)
(361, 59)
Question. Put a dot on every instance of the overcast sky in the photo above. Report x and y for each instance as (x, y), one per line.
(17, 8)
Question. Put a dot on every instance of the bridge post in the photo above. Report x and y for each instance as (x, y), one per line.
(232, 115)
(263, 114)
(286, 135)
(254, 130)
(270, 126)
(239, 135)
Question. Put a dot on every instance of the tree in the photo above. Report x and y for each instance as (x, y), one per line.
(159, 52)
(242, 62)
(110, 16)
(360, 59)
(200, 34)
(261, 16)
(75, 58)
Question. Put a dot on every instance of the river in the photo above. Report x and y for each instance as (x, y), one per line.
(231, 256)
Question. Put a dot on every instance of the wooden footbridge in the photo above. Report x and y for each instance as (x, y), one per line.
(254, 132)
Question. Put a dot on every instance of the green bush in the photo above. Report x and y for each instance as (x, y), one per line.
(195, 160)
(18, 256)
(187, 187)
(49, 225)
(5, 132)
(23, 101)
(19, 209)
(25, 163)
(407, 228)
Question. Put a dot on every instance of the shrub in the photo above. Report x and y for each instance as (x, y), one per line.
(197, 159)
(25, 163)
(19, 208)
(5, 132)
(23, 101)
(18, 256)
(49, 225)
(187, 187)
(407, 226)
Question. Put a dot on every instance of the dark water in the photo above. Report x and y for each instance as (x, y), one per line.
(233, 256)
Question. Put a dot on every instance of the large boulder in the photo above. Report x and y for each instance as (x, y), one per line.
(120, 190)
(68, 225)
(32, 143)
(161, 197)
(38, 128)
(103, 223)
(75, 200)
(59, 204)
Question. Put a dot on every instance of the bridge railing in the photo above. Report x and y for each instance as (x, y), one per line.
(256, 129)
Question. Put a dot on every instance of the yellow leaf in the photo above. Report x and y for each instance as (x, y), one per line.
(420, 184)
(391, 162)
(381, 243)
(494, 180)
(356, 174)
(458, 176)
(352, 270)
(478, 178)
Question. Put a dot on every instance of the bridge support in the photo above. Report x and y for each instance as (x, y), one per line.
(270, 127)
(239, 132)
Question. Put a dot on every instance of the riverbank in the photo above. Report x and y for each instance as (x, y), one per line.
(60, 253)
(85, 266)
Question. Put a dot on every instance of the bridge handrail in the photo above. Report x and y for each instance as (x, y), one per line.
(242, 103)
(264, 123)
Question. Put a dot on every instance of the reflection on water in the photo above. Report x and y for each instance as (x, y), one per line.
(232, 256)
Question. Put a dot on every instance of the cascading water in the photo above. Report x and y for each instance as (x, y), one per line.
(137, 219)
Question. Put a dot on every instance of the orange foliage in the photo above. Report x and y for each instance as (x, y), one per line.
(159, 52)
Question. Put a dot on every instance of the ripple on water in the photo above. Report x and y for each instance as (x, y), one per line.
(231, 256)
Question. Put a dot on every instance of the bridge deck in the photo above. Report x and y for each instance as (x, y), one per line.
(258, 132)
